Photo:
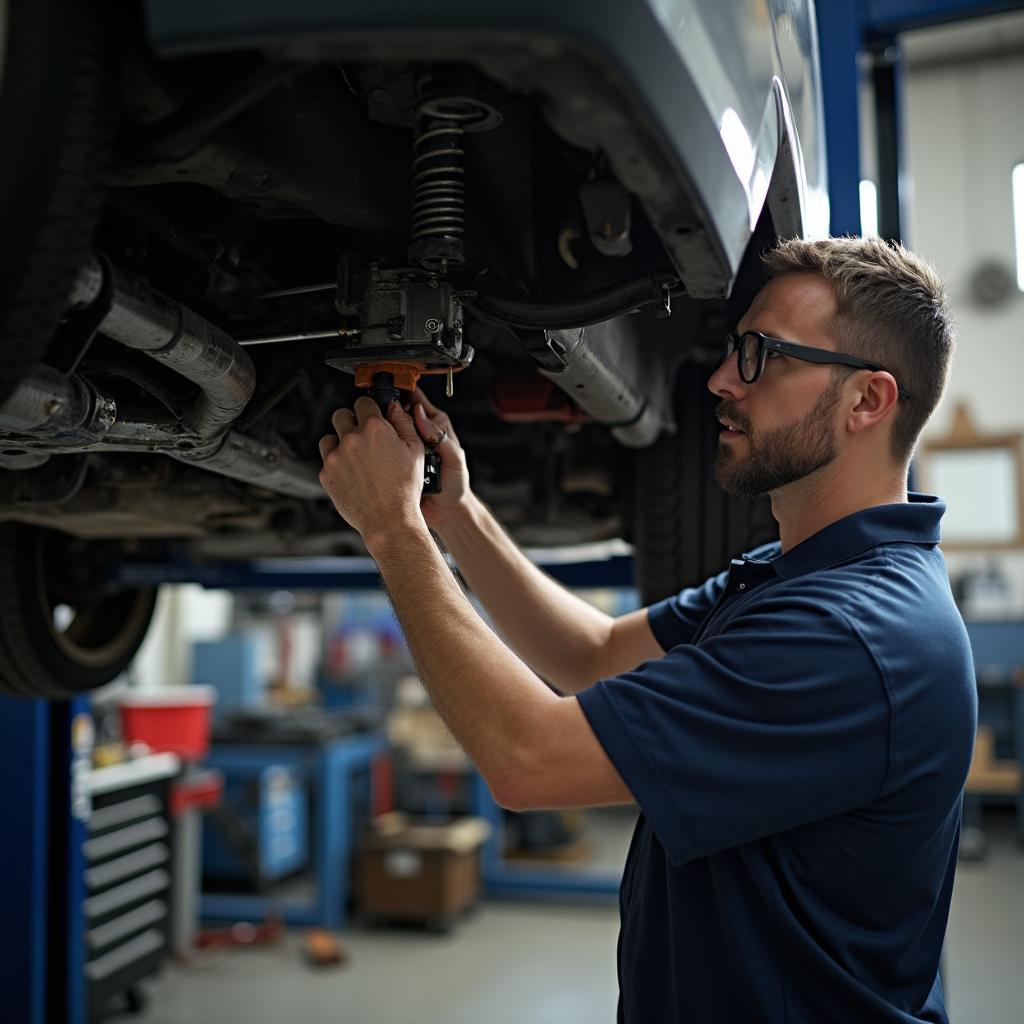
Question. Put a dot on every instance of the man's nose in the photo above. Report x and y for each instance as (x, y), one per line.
(726, 381)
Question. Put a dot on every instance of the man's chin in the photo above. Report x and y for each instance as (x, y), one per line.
(729, 475)
(735, 475)
(738, 487)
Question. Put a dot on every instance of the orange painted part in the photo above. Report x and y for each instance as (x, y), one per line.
(406, 375)
(531, 398)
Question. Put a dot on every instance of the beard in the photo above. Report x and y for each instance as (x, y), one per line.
(779, 456)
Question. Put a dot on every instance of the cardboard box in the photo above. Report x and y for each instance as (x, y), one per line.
(421, 873)
(989, 775)
(426, 739)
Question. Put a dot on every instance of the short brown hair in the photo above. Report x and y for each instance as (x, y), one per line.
(892, 310)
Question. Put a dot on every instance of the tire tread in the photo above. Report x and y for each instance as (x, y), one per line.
(686, 528)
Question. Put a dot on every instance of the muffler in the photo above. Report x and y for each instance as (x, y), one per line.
(50, 412)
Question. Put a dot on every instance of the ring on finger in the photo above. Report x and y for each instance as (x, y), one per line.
(438, 440)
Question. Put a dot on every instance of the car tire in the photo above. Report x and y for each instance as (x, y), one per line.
(685, 527)
(45, 574)
(55, 127)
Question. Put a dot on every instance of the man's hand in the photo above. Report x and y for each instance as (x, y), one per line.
(435, 428)
(373, 468)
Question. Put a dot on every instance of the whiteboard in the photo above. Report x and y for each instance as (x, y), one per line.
(981, 488)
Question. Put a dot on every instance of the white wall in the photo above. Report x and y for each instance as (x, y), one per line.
(184, 613)
(963, 133)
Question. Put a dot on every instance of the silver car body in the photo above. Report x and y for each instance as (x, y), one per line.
(735, 123)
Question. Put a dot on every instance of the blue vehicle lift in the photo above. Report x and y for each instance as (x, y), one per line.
(337, 574)
(42, 957)
(41, 961)
(846, 29)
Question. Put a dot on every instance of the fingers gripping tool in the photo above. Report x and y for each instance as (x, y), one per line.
(384, 382)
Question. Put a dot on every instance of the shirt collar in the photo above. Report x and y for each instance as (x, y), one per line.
(915, 521)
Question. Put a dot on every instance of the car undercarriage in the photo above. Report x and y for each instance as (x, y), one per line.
(252, 239)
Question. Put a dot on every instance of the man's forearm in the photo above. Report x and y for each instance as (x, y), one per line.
(533, 747)
(556, 633)
(494, 705)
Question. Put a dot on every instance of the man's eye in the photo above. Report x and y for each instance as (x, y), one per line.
(773, 354)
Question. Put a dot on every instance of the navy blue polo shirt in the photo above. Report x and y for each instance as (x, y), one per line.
(798, 755)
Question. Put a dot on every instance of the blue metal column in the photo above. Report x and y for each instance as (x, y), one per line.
(42, 958)
(840, 39)
(70, 750)
(887, 79)
(71, 739)
(24, 860)
(891, 16)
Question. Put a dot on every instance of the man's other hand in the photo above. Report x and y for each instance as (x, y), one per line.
(435, 428)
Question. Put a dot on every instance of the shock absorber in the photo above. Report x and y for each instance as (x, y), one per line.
(449, 106)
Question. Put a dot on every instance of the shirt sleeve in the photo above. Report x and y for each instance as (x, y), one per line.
(675, 620)
(780, 720)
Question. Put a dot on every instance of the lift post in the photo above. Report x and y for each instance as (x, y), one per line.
(48, 747)
(847, 28)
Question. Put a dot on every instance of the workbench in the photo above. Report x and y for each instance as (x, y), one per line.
(332, 769)
(997, 772)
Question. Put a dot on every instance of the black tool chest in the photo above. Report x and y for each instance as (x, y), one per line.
(128, 879)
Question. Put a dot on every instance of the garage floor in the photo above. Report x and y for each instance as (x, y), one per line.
(513, 962)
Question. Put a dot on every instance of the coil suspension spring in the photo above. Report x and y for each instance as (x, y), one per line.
(445, 113)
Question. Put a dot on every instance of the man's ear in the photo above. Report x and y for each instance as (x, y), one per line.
(875, 401)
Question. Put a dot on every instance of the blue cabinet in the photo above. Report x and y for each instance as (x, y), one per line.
(260, 831)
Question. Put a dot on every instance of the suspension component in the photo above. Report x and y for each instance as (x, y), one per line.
(449, 106)
(406, 315)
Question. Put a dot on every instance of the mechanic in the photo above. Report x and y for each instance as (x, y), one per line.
(797, 730)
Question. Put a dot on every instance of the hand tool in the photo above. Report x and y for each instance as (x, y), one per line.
(384, 381)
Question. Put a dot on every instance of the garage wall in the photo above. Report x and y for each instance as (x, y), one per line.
(184, 613)
(964, 131)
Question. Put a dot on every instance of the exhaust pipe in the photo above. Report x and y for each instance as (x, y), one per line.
(591, 374)
(51, 413)
(67, 409)
(145, 319)
(258, 464)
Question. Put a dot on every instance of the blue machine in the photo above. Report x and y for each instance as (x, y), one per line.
(261, 832)
(231, 666)
(998, 654)
(339, 776)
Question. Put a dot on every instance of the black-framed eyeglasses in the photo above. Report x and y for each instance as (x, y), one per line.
(752, 348)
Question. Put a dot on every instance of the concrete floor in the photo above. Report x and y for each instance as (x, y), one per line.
(516, 962)
(984, 956)
(507, 964)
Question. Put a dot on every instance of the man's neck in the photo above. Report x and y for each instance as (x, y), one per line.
(809, 505)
